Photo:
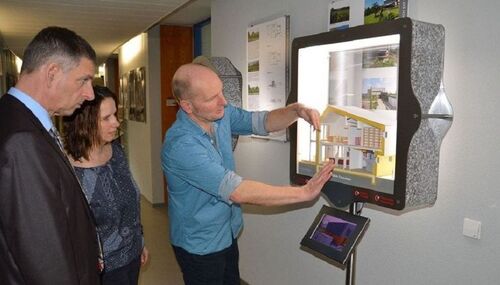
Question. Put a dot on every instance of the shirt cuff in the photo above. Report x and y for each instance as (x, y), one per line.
(259, 123)
(227, 186)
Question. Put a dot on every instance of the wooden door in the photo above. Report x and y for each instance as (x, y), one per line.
(176, 49)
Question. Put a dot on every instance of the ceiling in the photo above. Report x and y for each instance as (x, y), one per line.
(105, 24)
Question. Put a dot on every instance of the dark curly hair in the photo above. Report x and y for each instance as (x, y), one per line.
(81, 130)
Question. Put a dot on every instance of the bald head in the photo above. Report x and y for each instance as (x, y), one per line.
(189, 78)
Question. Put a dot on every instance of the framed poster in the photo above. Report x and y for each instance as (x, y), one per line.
(134, 83)
(140, 94)
(267, 67)
(131, 95)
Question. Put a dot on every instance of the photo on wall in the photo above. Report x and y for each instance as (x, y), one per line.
(377, 11)
(123, 99)
(140, 94)
(339, 15)
(131, 95)
(253, 66)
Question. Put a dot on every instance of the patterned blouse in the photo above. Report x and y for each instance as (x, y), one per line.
(114, 199)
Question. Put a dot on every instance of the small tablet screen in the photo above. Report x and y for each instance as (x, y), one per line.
(335, 233)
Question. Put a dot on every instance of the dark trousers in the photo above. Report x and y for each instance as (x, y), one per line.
(219, 268)
(126, 275)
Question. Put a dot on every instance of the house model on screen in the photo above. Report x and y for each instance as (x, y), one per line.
(361, 142)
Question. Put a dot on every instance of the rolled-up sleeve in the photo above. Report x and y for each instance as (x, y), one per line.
(246, 123)
(228, 184)
(259, 123)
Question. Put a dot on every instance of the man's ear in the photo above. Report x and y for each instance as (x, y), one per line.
(51, 71)
(186, 106)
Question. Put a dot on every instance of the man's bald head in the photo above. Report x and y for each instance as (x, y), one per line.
(187, 76)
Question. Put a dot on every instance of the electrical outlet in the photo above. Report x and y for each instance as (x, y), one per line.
(472, 228)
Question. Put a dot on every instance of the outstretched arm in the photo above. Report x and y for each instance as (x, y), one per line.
(254, 192)
(281, 118)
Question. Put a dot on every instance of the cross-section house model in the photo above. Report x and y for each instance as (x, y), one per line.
(361, 142)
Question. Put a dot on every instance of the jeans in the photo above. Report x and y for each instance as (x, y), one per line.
(219, 268)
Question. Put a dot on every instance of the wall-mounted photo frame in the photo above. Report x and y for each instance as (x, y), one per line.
(123, 100)
(134, 94)
(335, 233)
(120, 112)
(131, 95)
(140, 94)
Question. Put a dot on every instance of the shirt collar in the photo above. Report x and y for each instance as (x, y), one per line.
(40, 113)
(188, 122)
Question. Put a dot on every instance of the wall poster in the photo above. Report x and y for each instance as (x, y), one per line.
(122, 112)
(132, 96)
(349, 13)
(138, 113)
(131, 101)
(267, 67)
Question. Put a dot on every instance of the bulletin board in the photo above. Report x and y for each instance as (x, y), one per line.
(267, 67)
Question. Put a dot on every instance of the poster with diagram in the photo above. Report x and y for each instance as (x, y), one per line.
(267, 67)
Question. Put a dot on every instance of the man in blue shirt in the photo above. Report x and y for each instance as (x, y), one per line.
(204, 191)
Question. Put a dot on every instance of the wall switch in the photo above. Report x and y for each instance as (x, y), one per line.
(472, 228)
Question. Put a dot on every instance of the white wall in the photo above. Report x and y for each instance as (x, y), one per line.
(144, 139)
(154, 116)
(424, 246)
(206, 38)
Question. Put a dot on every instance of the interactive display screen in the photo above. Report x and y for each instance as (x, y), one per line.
(334, 233)
(375, 87)
(354, 85)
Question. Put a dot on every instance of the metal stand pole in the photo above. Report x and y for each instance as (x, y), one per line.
(351, 264)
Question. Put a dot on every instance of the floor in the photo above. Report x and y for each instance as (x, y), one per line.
(162, 267)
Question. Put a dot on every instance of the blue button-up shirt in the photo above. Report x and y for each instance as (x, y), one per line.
(40, 113)
(200, 175)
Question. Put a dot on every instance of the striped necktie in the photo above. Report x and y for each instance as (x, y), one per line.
(55, 135)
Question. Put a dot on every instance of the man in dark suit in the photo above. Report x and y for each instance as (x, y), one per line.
(47, 233)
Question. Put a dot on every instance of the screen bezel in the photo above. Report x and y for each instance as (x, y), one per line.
(339, 256)
(408, 115)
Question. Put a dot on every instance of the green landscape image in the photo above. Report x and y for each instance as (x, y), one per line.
(377, 11)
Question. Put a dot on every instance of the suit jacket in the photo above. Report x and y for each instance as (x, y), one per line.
(47, 233)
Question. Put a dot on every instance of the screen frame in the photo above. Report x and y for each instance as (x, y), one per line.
(341, 256)
(408, 115)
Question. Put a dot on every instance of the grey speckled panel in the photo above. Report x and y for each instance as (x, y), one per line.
(422, 168)
(426, 62)
(231, 83)
(426, 74)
